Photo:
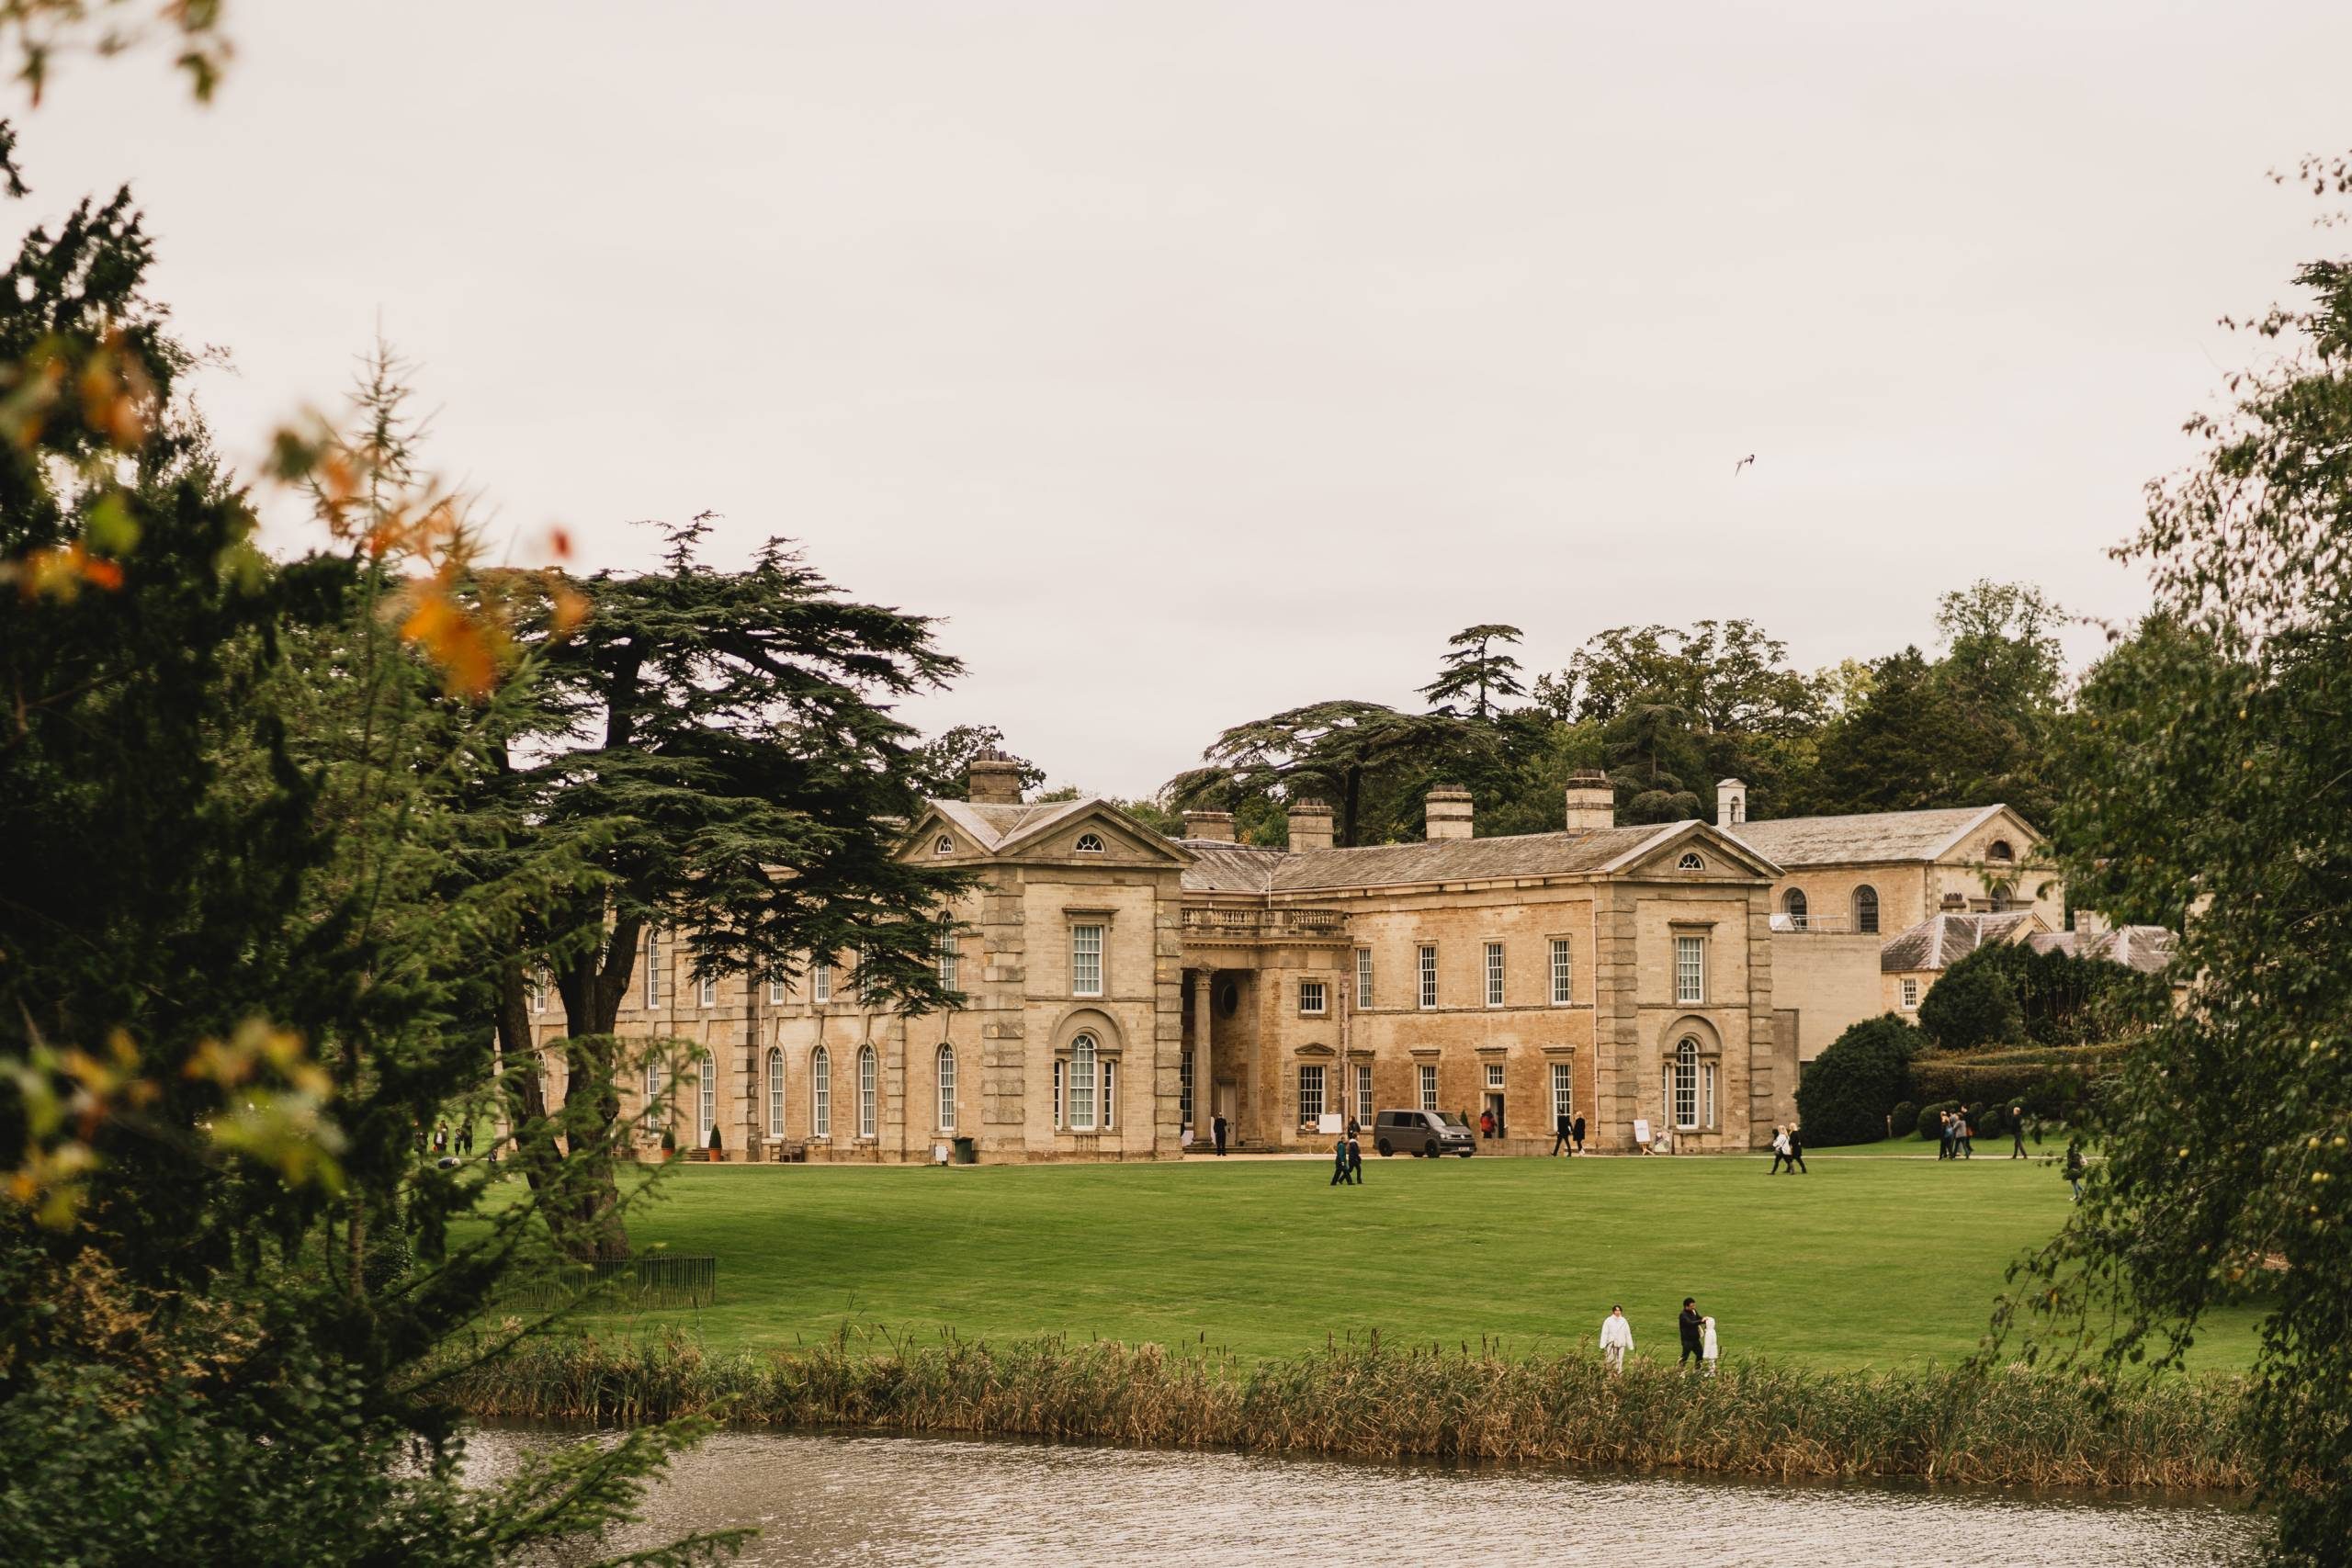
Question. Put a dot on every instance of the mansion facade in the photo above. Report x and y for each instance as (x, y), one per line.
(1123, 989)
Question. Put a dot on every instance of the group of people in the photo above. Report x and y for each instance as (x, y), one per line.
(1699, 1342)
(1567, 1136)
(442, 1140)
(1788, 1149)
(1347, 1160)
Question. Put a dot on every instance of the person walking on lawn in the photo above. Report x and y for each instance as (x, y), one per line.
(1796, 1151)
(1579, 1134)
(1710, 1351)
(1340, 1160)
(1943, 1136)
(1780, 1149)
(1963, 1135)
(1564, 1133)
(1693, 1347)
(2074, 1167)
(1355, 1155)
(2017, 1131)
(1616, 1338)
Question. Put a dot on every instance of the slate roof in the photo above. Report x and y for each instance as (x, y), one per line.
(1866, 839)
(1464, 860)
(1942, 940)
(1220, 865)
(991, 826)
(2148, 949)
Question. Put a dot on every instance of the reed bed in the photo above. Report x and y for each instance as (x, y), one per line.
(1468, 1404)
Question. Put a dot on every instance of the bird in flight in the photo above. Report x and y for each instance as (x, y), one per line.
(1743, 463)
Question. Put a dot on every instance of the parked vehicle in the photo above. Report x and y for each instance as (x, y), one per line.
(1419, 1133)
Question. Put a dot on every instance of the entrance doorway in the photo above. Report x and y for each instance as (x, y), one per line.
(1495, 1104)
(1224, 1098)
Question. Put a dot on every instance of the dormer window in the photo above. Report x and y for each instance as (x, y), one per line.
(1090, 843)
(1691, 863)
(942, 845)
(1999, 850)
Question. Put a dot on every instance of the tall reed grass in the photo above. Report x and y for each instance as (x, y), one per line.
(1377, 1401)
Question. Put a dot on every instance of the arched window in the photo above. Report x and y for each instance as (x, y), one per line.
(708, 1118)
(942, 845)
(2005, 895)
(1999, 850)
(1793, 905)
(1866, 911)
(1081, 1084)
(821, 1093)
(1691, 863)
(948, 1088)
(1686, 1083)
(869, 1111)
(775, 1092)
(1090, 843)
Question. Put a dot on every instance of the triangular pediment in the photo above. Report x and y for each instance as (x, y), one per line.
(1718, 852)
(1048, 831)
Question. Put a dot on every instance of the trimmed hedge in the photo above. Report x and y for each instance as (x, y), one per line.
(1848, 1090)
(1905, 1117)
(1931, 1124)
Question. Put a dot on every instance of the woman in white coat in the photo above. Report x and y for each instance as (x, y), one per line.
(1708, 1351)
(1616, 1338)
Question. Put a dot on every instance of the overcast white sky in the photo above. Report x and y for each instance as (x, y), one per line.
(1195, 360)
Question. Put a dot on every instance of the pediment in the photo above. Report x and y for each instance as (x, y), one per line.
(1718, 854)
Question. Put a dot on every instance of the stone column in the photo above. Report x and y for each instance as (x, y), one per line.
(1203, 1084)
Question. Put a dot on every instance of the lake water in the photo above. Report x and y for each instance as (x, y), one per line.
(819, 1499)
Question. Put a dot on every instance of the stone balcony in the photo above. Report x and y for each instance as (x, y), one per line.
(1221, 923)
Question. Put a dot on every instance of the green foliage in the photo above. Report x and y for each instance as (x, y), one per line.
(2214, 774)
(1474, 667)
(1848, 1091)
(937, 770)
(1903, 1120)
(1931, 1118)
(1973, 1003)
(1370, 763)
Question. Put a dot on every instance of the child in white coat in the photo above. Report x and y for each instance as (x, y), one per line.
(1708, 1349)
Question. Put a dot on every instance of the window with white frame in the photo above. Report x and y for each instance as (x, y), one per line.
(1429, 978)
(1310, 1093)
(1910, 995)
(1184, 1087)
(653, 967)
(1090, 843)
(1061, 1094)
(539, 990)
(1310, 998)
(1363, 1093)
(706, 1111)
(1494, 973)
(942, 845)
(1707, 1093)
(1690, 861)
(821, 1093)
(1564, 1092)
(1110, 1093)
(1563, 973)
(1866, 911)
(1690, 969)
(1686, 1084)
(1086, 960)
(1082, 1058)
(869, 1093)
(948, 966)
(945, 1072)
(1364, 978)
(707, 995)
(652, 1120)
(820, 980)
(775, 1092)
(1792, 903)
(1495, 1076)
(1429, 1086)
(775, 991)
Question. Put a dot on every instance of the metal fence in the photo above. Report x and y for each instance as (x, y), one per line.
(657, 1279)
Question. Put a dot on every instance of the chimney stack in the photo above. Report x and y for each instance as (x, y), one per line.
(992, 779)
(1591, 800)
(2091, 923)
(1447, 812)
(1216, 825)
(1731, 803)
(1310, 826)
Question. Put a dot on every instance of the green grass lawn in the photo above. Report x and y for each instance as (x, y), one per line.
(1866, 1261)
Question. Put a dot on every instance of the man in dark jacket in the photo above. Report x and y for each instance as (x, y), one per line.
(2017, 1133)
(1693, 1347)
(1579, 1134)
(1796, 1151)
(1218, 1124)
(1564, 1136)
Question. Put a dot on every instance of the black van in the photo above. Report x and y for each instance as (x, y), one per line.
(1418, 1133)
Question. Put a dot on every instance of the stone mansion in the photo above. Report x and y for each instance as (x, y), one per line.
(1121, 989)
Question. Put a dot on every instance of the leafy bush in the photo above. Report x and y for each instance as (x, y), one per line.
(1975, 1003)
(2046, 1083)
(1931, 1118)
(1905, 1117)
(1847, 1091)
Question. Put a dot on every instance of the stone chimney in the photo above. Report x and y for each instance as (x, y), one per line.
(1447, 812)
(2090, 922)
(992, 779)
(1592, 802)
(1217, 825)
(1310, 826)
(1731, 803)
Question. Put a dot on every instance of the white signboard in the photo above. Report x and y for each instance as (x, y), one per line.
(1641, 1130)
(1333, 1123)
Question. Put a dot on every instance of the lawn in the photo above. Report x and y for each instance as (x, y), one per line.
(1869, 1260)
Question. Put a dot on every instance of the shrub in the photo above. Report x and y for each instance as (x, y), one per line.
(1931, 1119)
(1975, 1003)
(1905, 1117)
(1847, 1091)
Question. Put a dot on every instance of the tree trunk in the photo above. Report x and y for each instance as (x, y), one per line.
(590, 1227)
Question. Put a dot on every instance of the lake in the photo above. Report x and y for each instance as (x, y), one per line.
(827, 1499)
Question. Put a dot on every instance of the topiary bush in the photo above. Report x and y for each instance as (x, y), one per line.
(1975, 1003)
(1847, 1091)
(1905, 1117)
(1931, 1127)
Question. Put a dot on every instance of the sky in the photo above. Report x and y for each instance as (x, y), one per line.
(1193, 361)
